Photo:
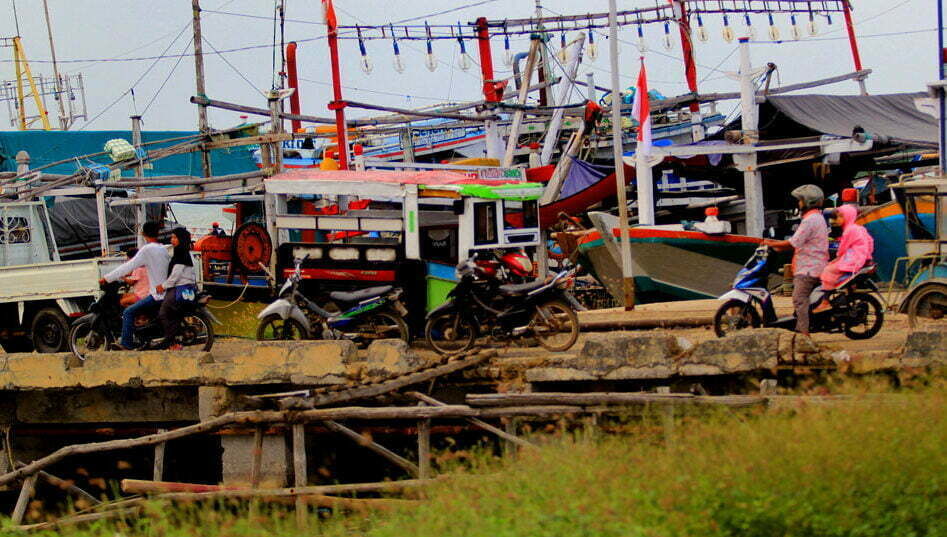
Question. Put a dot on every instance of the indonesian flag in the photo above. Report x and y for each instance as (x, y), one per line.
(331, 22)
(642, 112)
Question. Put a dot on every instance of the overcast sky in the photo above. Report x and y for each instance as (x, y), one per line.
(897, 40)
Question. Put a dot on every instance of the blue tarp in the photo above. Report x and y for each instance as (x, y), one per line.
(582, 175)
(45, 147)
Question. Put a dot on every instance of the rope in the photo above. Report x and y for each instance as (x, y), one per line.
(232, 304)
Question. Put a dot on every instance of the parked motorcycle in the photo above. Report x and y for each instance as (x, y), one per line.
(101, 328)
(363, 316)
(536, 309)
(856, 310)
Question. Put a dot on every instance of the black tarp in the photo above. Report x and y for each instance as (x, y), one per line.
(895, 115)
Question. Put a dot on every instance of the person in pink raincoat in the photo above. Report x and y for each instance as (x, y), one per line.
(855, 250)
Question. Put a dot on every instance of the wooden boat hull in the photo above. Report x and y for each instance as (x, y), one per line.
(667, 264)
(886, 225)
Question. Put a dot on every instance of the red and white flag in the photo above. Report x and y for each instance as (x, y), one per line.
(642, 112)
(329, 11)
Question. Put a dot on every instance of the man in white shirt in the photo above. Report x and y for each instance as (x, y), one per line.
(154, 257)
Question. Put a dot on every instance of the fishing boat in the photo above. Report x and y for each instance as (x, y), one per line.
(888, 228)
(665, 259)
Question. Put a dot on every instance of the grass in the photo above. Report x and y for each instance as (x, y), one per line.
(238, 319)
(871, 468)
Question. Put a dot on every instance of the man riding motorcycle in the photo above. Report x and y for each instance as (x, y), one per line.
(154, 257)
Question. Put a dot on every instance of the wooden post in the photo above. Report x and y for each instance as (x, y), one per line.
(276, 105)
(752, 178)
(628, 282)
(407, 144)
(518, 114)
(23, 500)
(159, 459)
(139, 172)
(667, 416)
(103, 221)
(300, 478)
(202, 124)
(257, 467)
(424, 449)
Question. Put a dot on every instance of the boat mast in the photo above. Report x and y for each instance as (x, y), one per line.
(853, 43)
(628, 282)
(63, 120)
(202, 125)
(941, 97)
(337, 104)
(679, 9)
(749, 117)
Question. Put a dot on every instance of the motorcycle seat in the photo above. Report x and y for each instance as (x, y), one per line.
(521, 288)
(361, 294)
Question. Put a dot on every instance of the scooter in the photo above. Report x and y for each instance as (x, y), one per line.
(480, 303)
(101, 328)
(856, 309)
(363, 316)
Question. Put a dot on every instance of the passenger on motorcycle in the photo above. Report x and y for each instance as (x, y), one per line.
(179, 288)
(154, 258)
(855, 250)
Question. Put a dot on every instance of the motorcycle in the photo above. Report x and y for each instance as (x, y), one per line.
(101, 328)
(856, 309)
(363, 316)
(535, 309)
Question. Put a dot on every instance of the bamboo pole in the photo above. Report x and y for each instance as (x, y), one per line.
(137, 486)
(524, 90)
(479, 423)
(361, 440)
(23, 500)
(606, 398)
(81, 519)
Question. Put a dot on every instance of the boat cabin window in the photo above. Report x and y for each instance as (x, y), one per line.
(918, 216)
(485, 222)
(526, 213)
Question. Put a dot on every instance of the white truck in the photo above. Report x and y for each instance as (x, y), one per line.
(39, 294)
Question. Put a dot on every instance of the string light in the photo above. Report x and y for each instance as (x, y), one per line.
(701, 31)
(366, 62)
(727, 30)
(667, 35)
(465, 60)
(562, 54)
(593, 47)
(813, 27)
(642, 46)
(430, 62)
(507, 53)
(398, 64)
(773, 30)
(750, 31)
(794, 28)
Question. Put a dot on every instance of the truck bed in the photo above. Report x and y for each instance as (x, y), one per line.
(64, 279)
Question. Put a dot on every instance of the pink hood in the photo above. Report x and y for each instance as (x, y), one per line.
(856, 246)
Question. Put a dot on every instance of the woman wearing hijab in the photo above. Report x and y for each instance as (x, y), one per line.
(855, 250)
(179, 287)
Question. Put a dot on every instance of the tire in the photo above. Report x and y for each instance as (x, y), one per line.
(928, 308)
(197, 329)
(49, 330)
(734, 315)
(450, 332)
(82, 340)
(273, 328)
(868, 305)
(383, 325)
(566, 329)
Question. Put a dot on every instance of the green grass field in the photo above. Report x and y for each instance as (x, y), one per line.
(869, 468)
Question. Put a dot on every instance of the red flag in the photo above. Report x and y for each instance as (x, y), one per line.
(331, 22)
(642, 111)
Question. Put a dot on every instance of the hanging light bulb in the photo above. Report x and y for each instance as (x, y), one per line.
(701, 31)
(593, 47)
(750, 30)
(366, 62)
(642, 46)
(667, 36)
(562, 54)
(773, 30)
(727, 30)
(398, 64)
(507, 53)
(794, 28)
(430, 61)
(465, 60)
(813, 27)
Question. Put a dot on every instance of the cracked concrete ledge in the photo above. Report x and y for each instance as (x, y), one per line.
(295, 362)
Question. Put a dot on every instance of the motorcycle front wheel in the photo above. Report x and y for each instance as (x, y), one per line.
(197, 329)
(450, 332)
(735, 315)
(275, 328)
(555, 325)
(83, 339)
